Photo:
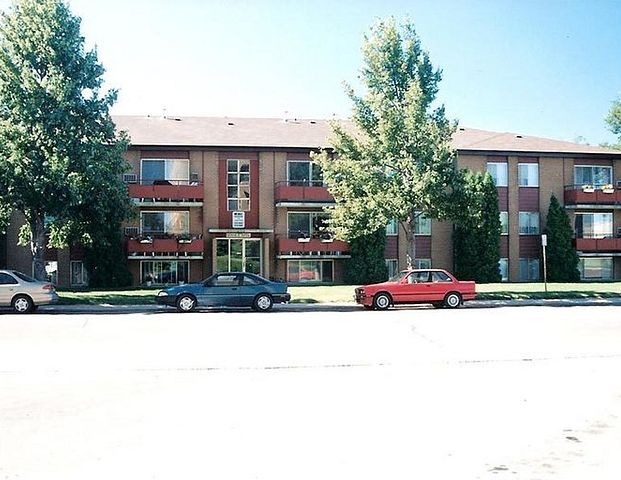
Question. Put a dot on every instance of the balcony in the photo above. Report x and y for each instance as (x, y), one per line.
(166, 246)
(609, 244)
(167, 192)
(302, 194)
(599, 196)
(311, 248)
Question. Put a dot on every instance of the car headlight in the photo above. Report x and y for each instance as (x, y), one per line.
(162, 294)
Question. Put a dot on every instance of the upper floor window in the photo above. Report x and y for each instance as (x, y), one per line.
(238, 185)
(172, 170)
(392, 228)
(162, 223)
(594, 225)
(304, 173)
(306, 224)
(529, 223)
(594, 175)
(528, 174)
(504, 223)
(422, 225)
(498, 171)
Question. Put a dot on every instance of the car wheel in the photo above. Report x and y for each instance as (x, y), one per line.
(381, 301)
(452, 300)
(263, 303)
(22, 304)
(186, 303)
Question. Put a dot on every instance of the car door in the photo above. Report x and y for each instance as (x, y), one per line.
(8, 286)
(440, 285)
(250, 286)
(221, 290)
(410, 288)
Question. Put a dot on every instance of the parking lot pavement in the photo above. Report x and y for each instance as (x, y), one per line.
(526, 393)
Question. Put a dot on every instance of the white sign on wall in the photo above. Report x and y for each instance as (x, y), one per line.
(239, 219)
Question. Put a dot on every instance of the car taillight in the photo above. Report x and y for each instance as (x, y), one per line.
(48, 286)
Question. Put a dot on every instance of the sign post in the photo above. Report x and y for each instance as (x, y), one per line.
(544, 244)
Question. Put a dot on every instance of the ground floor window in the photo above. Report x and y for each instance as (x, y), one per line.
(310, 271)
(238, 255)
(422, 263)
(529, 270)
(393, 267)
(164, 272)
(503, 266)
(51, 272)
(79, 277)
(596, 268)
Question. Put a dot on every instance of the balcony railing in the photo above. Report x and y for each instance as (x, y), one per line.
(592, 195)
(608, 244)
(302, 191)
(311, 246)
(181, 190)
(165, 243)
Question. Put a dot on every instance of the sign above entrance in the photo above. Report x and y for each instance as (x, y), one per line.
(238, 235)
(239, 219)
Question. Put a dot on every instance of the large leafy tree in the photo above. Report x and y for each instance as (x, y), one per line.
(367, 264)
(60, 156)
(614, 120)
(476, 237)
(562, 259)
(397, 161)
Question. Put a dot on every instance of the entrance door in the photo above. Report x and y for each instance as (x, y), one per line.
(238, 255)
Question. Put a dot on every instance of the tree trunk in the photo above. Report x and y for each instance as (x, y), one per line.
(409, 226)
(37, 245)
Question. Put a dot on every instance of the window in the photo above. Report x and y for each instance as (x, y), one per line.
(304, 173)
(238, 255)
(160, 223)
(6, 279)
(175, 171)
(392, 265)
(498, 171)
(422, 263)
(422, 225)
(440, 277)
(504, 223)
(238, 185)
(225, 280)
(528, 174)
(529, 223)
(392, 228)
(252, 280)
(163, 272)
(306, 224)
(503, 265)
(594, 225)
(419, 277)
(310, 271)
(594, 175)
(79, 276)
(529, 269)
(596, 268)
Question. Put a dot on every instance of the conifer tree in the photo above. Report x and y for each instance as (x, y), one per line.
(367, 264)
(561, 257)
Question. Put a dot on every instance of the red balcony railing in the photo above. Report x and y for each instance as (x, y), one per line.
(302, 191)
(598, 244)
(173, 244)
(167, 190)
(286, 246)
(590, 195)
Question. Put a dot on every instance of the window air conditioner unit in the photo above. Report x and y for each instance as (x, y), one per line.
(130, 178)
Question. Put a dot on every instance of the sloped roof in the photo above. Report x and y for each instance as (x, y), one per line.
(312, 133)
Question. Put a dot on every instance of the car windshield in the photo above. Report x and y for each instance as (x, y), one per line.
(23, 277)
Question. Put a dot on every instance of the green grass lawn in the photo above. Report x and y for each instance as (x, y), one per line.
(345, 293)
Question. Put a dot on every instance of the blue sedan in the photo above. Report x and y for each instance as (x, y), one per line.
(231, 289)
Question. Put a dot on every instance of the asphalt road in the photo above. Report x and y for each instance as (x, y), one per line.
(519, 393)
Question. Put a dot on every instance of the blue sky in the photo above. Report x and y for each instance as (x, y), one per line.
(548, 68)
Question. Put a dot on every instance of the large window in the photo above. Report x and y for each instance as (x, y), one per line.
(304, 173)
(498, 171)
(529, 223)
(392, 228)
(79, 277)
(528, 174)
(529, 269)
(392, 264)
(165, 223)
(503, 266)
(310, 271)
(594, 175)
(164, 272)
(504, 223)
(175, 171)
(238, 255)
(594, 225)
(422, 225)
(238, 185)
(306, 224)
(596, 268)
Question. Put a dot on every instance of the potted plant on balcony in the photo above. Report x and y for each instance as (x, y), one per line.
(145, 239)
(587, 188)
(608, 188)
(184, 238)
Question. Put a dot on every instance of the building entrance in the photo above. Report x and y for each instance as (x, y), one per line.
(238, 255)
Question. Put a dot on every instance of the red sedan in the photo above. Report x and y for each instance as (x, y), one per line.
(434, 286)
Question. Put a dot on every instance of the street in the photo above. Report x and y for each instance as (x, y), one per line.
(475, 393)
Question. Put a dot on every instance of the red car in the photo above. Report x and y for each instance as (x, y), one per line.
(434, 286)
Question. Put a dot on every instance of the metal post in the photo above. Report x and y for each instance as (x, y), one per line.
(544, 243)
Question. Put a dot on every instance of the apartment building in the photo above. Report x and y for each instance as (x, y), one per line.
(224, 194)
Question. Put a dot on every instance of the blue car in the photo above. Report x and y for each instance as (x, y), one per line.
(231, 289)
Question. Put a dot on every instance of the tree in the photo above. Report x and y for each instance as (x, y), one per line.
(60, 156)
(562, 259)
(367, 264)
(614, 120)
(398, 162)
(476, 237)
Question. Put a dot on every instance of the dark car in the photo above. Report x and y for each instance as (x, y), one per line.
(231, 289)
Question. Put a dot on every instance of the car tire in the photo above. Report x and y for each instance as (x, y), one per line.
(382, 301)
(452, 300)
(263, 303)
(186, 303)
(22, 304)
